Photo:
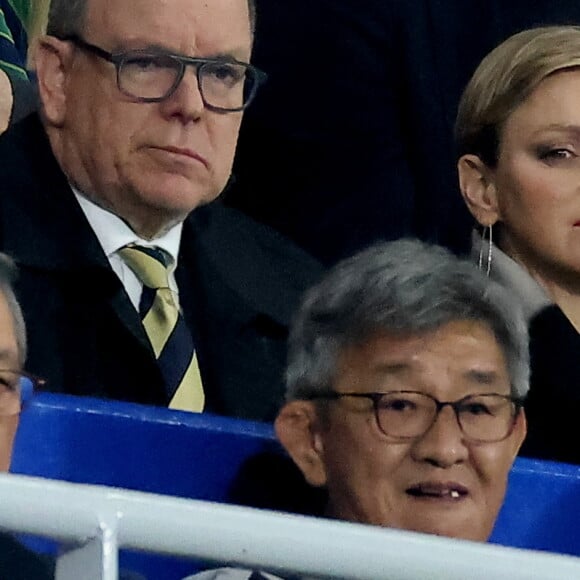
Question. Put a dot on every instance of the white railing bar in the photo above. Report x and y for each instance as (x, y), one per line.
(258, 538)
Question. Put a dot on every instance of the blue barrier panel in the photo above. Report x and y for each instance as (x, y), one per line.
(542, 507)
(202, 456)
(86, 440)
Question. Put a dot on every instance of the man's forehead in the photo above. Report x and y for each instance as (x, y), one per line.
(466, 348)
(221, 22)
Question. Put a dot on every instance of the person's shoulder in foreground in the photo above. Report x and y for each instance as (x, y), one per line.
(19, 563)
(232, 574)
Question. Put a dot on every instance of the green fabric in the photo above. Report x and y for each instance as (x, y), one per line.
(10, 60)
(4, 30)
(23, 10)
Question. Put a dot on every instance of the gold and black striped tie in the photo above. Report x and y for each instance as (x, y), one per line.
(166, 328)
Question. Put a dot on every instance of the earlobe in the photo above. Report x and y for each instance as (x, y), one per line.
(298, 429)
(520, 432)
(478, 189)
(52, 60)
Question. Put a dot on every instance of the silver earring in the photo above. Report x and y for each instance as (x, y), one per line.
(488, 259)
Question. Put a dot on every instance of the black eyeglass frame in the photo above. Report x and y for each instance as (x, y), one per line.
(119, 58)
(518, 405)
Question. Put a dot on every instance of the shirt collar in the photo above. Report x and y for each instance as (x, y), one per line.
(113, 233)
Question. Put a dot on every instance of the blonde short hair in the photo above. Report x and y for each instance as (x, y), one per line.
(504, 80)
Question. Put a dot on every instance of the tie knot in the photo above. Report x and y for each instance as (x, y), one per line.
(148, 264)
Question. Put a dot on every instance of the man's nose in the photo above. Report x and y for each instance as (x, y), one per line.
(186, 101)
(443, 444)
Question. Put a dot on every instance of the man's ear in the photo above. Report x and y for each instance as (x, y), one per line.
(519, 433)
(53, 60)
(6, 100)
(299, 430)
(477, 184)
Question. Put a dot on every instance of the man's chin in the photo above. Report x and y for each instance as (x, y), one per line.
(174, 195)
(460, 529)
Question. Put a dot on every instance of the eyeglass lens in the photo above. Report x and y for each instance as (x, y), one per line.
(223, 85)
(481, 417)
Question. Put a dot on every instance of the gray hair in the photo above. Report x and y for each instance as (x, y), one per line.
(406, 287)
(67, 17)
(7, 277)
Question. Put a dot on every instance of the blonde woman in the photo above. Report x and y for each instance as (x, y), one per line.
(518, 136)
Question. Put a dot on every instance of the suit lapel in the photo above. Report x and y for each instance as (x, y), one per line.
(238, 284)
(44, 228)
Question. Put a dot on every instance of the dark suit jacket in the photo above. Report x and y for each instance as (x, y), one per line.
(19, 563)
(356, 118)
(553, 404)
(239, 283)
(24, 96)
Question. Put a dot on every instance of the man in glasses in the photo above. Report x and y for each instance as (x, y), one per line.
(407, 371)
(16, 388)
(407, 374)
(136, 286)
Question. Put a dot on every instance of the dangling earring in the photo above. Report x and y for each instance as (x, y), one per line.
(489, 229)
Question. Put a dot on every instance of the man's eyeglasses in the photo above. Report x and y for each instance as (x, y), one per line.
(16, 390)
(149, 76)
(404, 415)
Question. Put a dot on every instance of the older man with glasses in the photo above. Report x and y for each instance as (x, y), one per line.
(406, 379)
(138, 285)
(407, 374)
(16, 389)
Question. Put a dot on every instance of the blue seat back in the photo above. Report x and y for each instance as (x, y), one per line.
(85, 440)
(542, 507)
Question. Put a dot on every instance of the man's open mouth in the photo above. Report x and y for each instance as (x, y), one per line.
(436, 490)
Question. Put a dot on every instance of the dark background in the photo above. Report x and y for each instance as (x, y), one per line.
(350, 141)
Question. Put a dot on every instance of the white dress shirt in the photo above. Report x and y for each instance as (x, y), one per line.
(113, 234)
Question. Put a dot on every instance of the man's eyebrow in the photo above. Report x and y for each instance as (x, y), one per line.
(234, 54)
(392, 368)
(482, 377)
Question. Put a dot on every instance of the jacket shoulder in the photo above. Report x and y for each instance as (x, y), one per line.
(238, 240)
(25, 150)
(267, 271)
